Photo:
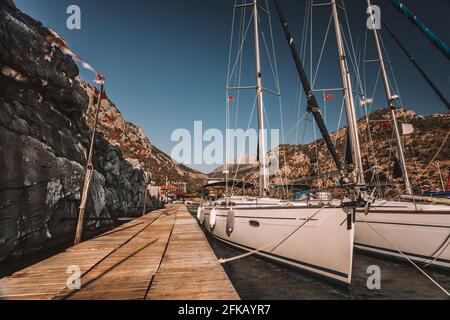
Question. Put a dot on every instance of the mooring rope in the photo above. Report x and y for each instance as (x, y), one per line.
(441, 248)
(404, 255)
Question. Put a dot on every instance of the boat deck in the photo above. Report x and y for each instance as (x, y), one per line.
(161, 256)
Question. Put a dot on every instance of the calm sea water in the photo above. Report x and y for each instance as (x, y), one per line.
(255, 278)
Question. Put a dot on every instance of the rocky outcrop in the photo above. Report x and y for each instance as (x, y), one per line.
(45, 128)
(42, 154)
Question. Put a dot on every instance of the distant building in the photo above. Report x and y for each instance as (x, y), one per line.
(174, 189)
(182, 187)
(168, 188)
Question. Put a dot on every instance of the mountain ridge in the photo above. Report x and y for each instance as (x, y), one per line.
(299, 161)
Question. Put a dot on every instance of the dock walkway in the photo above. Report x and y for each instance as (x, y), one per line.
(161, 256)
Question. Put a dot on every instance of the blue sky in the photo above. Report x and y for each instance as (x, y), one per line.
(166, 62)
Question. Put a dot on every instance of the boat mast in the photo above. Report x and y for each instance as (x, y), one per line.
(349, 103)
(263, 178)
(391, 102)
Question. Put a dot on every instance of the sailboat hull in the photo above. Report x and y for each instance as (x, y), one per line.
(422, 234)
(317, 240)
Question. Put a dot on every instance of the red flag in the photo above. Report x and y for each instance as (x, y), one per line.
(100, 77)
(329, 97)
(386, 124)
(230, 99)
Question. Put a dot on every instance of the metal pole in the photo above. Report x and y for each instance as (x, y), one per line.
(145, 201)
(263, 181)
(227, 146)
(391, 103)
(147, 183)
(349, 102)
(89, 173)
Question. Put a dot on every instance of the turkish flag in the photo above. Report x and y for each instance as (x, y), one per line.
(329, 97)
(386, 124)
(100, 77)
(230, 99)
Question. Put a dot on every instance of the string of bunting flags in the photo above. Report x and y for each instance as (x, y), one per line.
(54, 41)
(364, 101)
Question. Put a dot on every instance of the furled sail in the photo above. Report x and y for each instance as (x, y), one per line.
(397, 170)
(348, 151)
(440, 44)
(313, 106)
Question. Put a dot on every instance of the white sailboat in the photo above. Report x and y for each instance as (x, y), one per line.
(318, 239)
(412, 230)
(420, 232)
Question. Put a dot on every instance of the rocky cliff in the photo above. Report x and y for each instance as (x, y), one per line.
(45, 126)
(305, 161)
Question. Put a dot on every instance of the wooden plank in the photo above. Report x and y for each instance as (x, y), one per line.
(49, 277)
(164, 255)
(127, 272)
(190, 270)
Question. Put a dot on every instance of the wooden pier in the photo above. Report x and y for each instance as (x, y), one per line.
(161, 256)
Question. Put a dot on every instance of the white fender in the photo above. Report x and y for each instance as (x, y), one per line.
(199, 213)
(202, 216)
(213, 218)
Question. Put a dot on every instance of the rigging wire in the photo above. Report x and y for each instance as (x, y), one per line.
(322, 50)
(303, 48)
(248, 127)
(273, 66)
(239, 81)
(434, 158)
(242, 45)
(364, 59)
(227, 93)
(280, 102)
(354, 55)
